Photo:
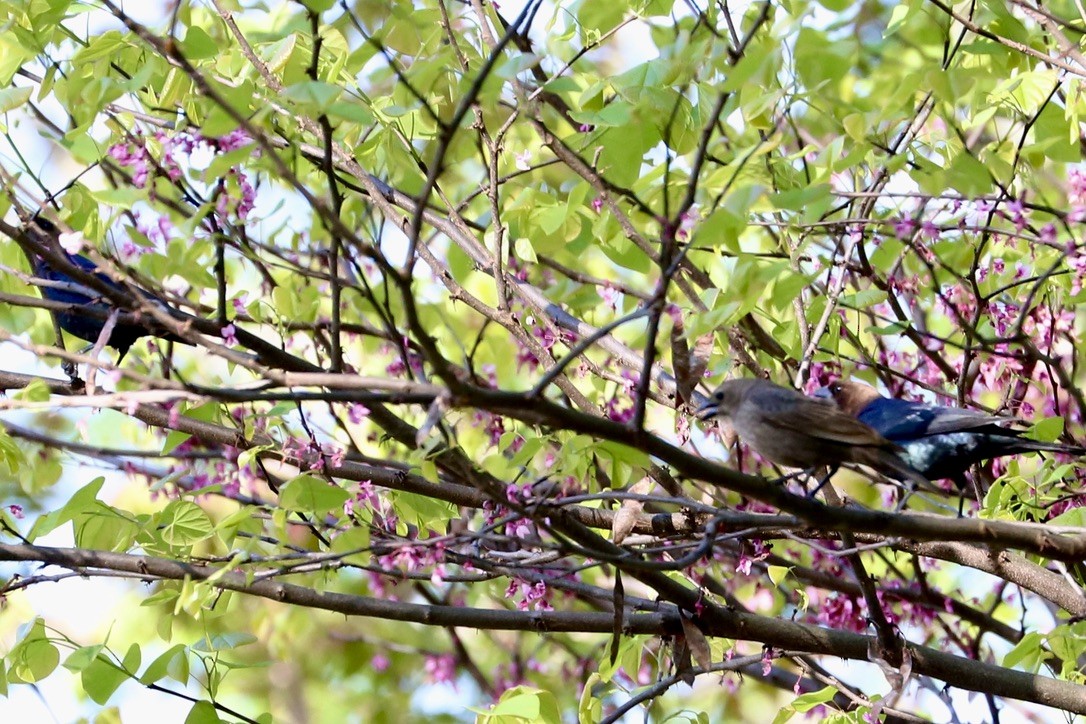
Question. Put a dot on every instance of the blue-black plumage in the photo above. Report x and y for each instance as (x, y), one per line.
(90, 311)
(939, 442)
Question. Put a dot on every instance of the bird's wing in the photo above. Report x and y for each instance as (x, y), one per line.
(824, 420)
(76, 292)
(904, 420)
(957, 419)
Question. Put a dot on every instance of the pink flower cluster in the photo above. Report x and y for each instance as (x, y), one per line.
(236, 195)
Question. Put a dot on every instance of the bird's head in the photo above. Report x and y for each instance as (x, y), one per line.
(852, 397)
(725, 398)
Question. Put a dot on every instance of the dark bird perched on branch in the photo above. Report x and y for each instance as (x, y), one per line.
(91, 308)
(939, 442)
(791, 429)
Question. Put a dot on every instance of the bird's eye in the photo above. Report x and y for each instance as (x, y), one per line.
(835, 388)
(718, 395)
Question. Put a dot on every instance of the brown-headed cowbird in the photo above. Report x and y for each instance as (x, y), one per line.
(939, 442)
(89, 311)
(791, 429)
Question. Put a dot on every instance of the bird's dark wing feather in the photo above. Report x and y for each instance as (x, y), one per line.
(70, 294)
(89, 327)
(822, 419)
(904, 420)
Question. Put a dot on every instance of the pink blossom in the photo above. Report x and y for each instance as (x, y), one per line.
(229, 335)
(608, 295)
(839, 611)
(357, 412)
(620, 411)
(234, 140)
(440, 668)
(379, 662)
(130, 251)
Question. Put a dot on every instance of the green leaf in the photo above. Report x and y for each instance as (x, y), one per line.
(34, 657)
(80, 503)
(132, 658)
(311, 495)
(808, 701)
(900, 15)
(1027, 653)
(590, 708)
(801, 198)
(777, 573)
(352, 545)
(624, 453)
(248, 456)
(184, 523)
(11, 456)
(607, 669)
(82, 657)
(203, 712)
(523, 248)
(172, 662)
(198, 45)
(1048, 429)
(1075, 517)
(36, 391)
(101, 679)
(599, 17)
(968, 175)
(104, 528)
(351, 110)
(224, 642)
(207, 412)
(526, 704)
(313, 96)
(12, 57)
(787, 286)
(422, 510)
(863, 299)
(12, 98)
(895, 328)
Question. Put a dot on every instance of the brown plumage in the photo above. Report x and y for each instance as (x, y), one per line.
(791, 429)
(852, 397)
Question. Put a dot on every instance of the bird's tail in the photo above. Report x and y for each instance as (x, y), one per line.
(1013, 445)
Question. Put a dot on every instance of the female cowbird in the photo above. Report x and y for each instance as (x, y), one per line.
(939, 442)
(791, 429)
(89, 312)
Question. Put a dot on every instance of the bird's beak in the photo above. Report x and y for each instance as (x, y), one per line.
(823, 393)
(707, 411)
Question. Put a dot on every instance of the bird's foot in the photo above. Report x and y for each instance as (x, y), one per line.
(71, 371)
(822, 482)
(785, 479)
(910, 491)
